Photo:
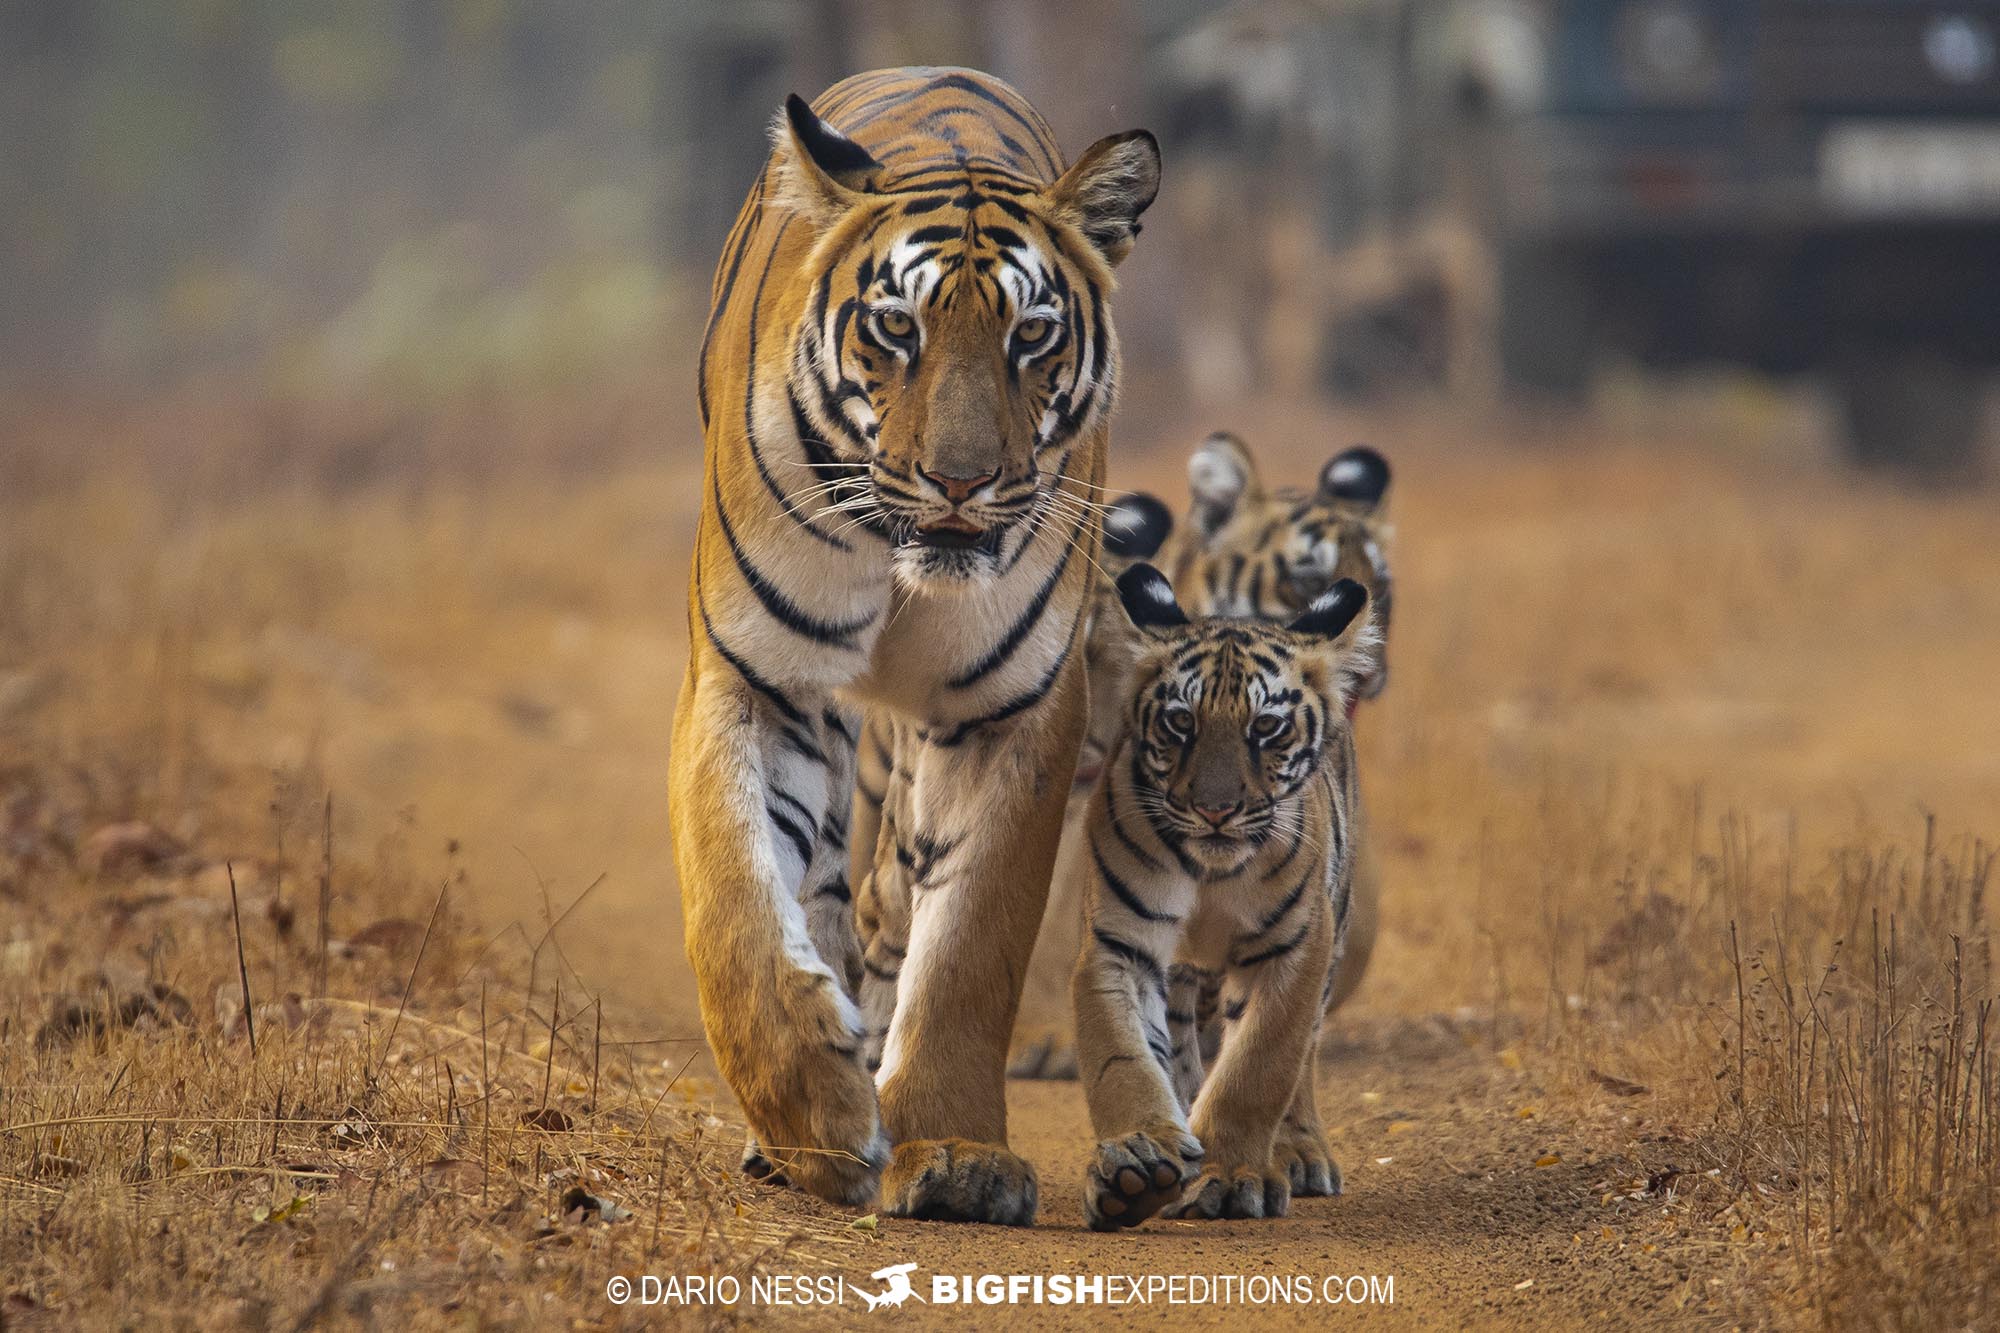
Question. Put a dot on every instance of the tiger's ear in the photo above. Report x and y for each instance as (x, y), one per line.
(1136, 526)
(1348, 640)
(1149, 598)
(1332, 611)
(1221, 475)
(1107, 189)
(1358, 475)
(818, 172)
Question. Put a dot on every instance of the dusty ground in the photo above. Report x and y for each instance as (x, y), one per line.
(1650, 674)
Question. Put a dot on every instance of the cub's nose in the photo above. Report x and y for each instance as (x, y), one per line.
(1216, 816)
(956, 489)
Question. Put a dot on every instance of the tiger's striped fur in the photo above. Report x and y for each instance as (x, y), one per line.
(905, 386)
(1221, 841)
(1243, 549)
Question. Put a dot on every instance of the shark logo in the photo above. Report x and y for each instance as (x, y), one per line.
(896, 1288)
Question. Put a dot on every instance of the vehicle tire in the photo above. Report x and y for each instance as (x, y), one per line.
(1912, 413)
(1546, 323)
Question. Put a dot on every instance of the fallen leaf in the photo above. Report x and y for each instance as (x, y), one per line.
(1549, 1159)
(868, 1223)
(550, 1118)
(1401, 1126)
(1511, 1058)
(1525, 1113)
(1524, 1284)
(1384, 1161)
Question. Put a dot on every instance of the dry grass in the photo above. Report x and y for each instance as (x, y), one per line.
(1651, 785)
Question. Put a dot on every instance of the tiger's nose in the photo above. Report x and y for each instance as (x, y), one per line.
(956, 489)
(1216, 816)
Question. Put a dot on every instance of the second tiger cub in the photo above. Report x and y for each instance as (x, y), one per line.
(1220, 838)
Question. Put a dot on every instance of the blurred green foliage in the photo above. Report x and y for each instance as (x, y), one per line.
(435, 190)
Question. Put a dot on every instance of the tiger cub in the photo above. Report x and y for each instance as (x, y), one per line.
(1244, 548)
(1221, 840)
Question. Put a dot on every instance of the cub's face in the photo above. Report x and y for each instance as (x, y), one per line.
(1229, 718)
(1270, 554)
(956, 344)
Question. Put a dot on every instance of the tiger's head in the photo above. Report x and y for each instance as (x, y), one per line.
(1270, 553)
(1229, 717)
(956, 343)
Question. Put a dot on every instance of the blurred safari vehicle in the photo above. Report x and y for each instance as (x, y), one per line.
(1525, 186)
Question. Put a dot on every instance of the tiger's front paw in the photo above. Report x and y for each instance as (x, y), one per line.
(1132, 1178)
(811, 1105)
(958, 1180)
(1302, 1154)
(1235, 1193)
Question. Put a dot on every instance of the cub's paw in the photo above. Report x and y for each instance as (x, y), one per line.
(958, 1180)
(1307, 1162)
(1241, 1192)
(1050, 1054)
(1132, 1178)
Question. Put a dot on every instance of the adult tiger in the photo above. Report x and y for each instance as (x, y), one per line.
(905, 385)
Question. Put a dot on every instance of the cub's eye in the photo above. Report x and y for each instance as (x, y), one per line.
(1179, 719)
(896, 324)
(1033, 332)
(1269, 727)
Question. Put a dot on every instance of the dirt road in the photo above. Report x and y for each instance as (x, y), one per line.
(1439, 1139)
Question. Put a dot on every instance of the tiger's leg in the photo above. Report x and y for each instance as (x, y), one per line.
(1045, 1041)
(1186, 983)
(986, 807)
(1301, 1150)
(824, 892)
(827, 890)
(1363, 915)
(872, 766)
(886, 901)
(1264, 1057)
(754, 776)
(1122, 988)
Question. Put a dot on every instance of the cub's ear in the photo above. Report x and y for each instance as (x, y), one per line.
(1221, 475)
(1136, 526)
(1332, 611)
(1107, 189)
(1149, 598)
(818, 172)
(1358, 475)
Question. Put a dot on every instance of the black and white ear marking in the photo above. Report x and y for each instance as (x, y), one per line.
(831, 151)
(1136, 526)
(1358, 475)
(1149, 598)
(1332, 611)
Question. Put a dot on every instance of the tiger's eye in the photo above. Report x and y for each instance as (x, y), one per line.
(896, 323)
(1033, 332)
(1267, 726)
(1179, 718)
